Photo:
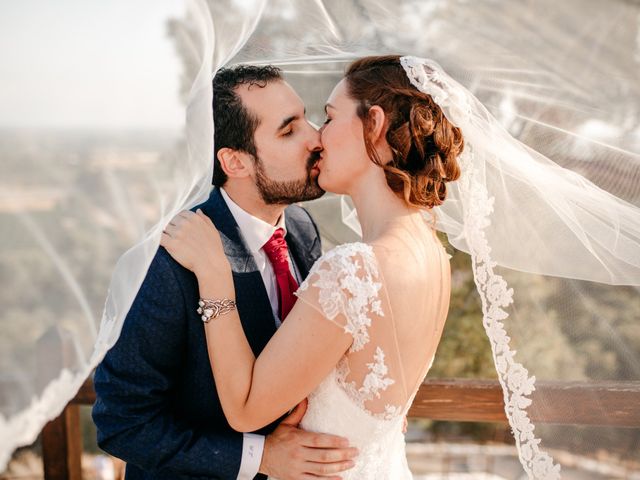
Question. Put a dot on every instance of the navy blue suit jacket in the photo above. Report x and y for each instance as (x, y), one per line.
(157, 407)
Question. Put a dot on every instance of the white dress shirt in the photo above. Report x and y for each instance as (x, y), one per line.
(256, 233)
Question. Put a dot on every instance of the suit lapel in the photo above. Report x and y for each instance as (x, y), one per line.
(235, 248)
(252, 300)
(302, 248)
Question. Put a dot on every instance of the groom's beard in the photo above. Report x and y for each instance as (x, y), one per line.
(274, 192)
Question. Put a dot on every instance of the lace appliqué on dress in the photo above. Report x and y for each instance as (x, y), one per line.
(347, 279)
(374, 382)
(348, 283)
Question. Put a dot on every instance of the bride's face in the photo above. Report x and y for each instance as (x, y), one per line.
(344, 157)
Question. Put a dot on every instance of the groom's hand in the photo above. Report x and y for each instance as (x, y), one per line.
(293, 454)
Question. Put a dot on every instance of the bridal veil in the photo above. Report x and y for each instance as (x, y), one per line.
(548, 205)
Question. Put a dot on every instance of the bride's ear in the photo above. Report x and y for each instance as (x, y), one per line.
(378, 131)
(378, 122)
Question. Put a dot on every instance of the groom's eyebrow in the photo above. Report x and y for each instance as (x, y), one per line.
(289, 119)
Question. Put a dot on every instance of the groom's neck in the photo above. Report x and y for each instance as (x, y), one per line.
(251, 202)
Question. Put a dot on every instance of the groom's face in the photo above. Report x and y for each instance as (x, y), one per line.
(287, 145)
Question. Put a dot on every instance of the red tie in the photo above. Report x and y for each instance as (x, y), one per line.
(276, 250)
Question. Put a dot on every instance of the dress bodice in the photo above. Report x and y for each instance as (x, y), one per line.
(380, 442)
(365, 398)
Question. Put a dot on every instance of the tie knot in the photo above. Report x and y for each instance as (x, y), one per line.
(276, 250)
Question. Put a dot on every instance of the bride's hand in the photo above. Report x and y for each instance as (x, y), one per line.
(194, 242)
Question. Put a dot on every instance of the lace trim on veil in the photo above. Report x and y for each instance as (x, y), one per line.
(517, 384)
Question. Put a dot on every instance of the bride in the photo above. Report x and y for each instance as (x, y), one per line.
(364, 331)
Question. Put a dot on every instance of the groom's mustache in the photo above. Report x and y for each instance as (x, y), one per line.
(313, 159)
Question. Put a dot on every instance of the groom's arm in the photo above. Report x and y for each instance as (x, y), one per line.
(134, 382)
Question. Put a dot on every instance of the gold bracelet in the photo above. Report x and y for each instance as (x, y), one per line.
(209, 309)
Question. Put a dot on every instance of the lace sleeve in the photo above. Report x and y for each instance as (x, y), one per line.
(344, 286)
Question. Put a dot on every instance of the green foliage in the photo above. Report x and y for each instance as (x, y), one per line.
(464, 350)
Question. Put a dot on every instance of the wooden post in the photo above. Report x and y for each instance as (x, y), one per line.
(61, 437)
(62, 446)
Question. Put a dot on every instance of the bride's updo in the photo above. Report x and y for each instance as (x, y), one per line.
(424, 144)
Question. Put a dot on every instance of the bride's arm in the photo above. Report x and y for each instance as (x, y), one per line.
(253, 392)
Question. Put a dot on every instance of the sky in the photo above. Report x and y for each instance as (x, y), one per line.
(89, 64)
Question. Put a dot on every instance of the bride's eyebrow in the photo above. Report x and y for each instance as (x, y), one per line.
(328, 105)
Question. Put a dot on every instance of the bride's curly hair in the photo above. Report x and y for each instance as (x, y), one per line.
(424, 144)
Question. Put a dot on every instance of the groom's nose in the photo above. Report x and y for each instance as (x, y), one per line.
(314, 143)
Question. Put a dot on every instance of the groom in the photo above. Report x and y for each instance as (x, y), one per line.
(157, 406)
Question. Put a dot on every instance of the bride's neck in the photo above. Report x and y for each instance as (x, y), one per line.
(378, 207)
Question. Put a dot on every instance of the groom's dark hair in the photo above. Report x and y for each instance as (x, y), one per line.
(234, 124)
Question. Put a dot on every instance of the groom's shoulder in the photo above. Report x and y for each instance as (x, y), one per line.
(302, 220)
(301, 224)
(299, 215)
(162, 267)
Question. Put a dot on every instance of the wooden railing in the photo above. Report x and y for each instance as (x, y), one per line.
(565, 403)
(453, 400)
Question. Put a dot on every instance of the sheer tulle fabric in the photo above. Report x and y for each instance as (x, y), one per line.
(562, 224)
(95, 195)
(552, 224)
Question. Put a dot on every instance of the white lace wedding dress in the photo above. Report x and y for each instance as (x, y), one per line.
(395, 327)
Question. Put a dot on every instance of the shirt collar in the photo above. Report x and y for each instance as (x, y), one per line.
(256, 232)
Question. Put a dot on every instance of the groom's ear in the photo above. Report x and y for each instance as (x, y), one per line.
(234, 163)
